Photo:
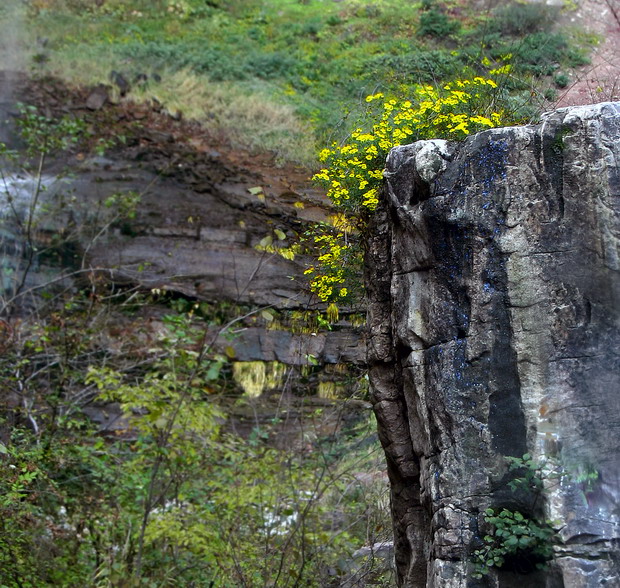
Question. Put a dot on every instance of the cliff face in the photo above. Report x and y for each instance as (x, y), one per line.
(494, 284)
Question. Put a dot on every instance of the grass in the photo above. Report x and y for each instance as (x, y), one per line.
(307, 63)
(245, 112)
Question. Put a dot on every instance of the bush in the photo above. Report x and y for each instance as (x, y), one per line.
(424, 66)
(211, 59)
(436, 24)
(271, 65)
(354, 170)
(540, 53)
(522, 18)
(515, 543)
(561, 80)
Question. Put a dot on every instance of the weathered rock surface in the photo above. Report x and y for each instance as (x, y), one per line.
(494, 286)
(203, 210)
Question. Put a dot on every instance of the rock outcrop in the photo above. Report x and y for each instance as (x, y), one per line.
(494, 284)
(206, 224)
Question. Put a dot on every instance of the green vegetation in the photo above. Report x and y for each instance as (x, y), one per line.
(290, 75)
(516, 541)
(169, 496)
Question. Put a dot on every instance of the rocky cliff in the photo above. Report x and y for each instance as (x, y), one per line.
(494, 333)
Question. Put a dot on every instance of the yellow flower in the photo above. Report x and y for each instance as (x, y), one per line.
(324, 154)
(352, 176)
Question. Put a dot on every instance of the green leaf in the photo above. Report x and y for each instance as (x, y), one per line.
(511, 541)
(266, 241)
(255, 190)
(213, 373)
(281, 235)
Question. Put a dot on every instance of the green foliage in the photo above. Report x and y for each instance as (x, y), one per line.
(171, 497)
(434, 23)
(539, 53)
(521, 18)
(561, 80)
(530, 474)
(424, 66)
(318, 58)
(43, 135)
(515, 542)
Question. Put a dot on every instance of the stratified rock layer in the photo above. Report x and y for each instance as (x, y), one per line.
(493, 276)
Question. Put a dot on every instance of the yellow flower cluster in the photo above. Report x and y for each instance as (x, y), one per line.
(329, 275)
(353, 171)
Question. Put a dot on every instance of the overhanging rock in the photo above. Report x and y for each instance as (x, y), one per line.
(494, 285)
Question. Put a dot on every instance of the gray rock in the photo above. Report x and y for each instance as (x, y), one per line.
(494, 291)
(98, 97)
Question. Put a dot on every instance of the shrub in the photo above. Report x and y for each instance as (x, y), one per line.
(272, 65)
(522, 18)
(515, 542)
(354, 170)
(436, 24)
(561, 80)
(424, 66)
(539, 53)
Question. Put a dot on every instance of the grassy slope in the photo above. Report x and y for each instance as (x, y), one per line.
(284, 75)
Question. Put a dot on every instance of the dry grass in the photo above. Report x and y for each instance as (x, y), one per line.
(243, 112)
(246, 115)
